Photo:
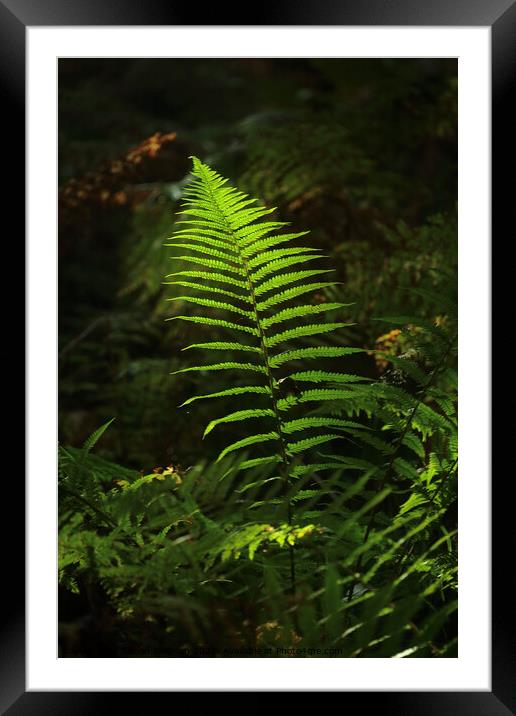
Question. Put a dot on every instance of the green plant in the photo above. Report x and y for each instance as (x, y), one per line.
(357, 517)
(177, 554)
(154, 560)
(256, 282)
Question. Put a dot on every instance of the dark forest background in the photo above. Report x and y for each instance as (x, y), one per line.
(361, 152)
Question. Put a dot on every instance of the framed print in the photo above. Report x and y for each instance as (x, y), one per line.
(258, 267)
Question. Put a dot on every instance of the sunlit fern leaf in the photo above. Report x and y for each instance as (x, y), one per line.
(207, 251)
(240, 415)
(208, 289)
(246, 442)
(259, 245)
(287, 295)
(223, 366)
(300, 470)
(258, 461)
(293, 426)
(208, 321)
(302, 445)
(303, 311)
(232, 245)
(249, 235)
(214, 276)
(222, 346)
(210, 263)
(322, 376)
(266, 257)
(312, 354)
(207, 240)
(314, 396)
(259, 389)
(284, 279)
(210, 303)
(302, 331)
(274, 267)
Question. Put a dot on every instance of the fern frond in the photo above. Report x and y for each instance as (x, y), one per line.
(249, 234)
(200, 233)
(222, 366)
(219, 243)
(211, 263)
(270, 257)
(218, 277)
(312, 354)
(259, 245)
(210, 303)
(290, 293)
(209, 289)
(239, 416)
(240, 249)
(293, 426)
(246, 442)
(314, 396)
(300, 470)
(93, 439)
(303, 331)
(258, 389)
(304, 311)
(206, 251)
(277, 266)
(302, 445)
(287, 278)
(353, 463)
(206, 321)
(414, 443)
(222, 346)
(258, 461)
(322, 376)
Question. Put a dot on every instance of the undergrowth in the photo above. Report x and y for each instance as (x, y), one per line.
(326, 524)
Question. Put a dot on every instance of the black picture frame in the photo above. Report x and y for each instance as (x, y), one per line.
(500, 16)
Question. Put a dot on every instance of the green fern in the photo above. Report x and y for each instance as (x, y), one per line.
(171, 545)
(238, 250)
(364, 469)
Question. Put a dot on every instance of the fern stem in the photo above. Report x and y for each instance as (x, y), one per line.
(270, 378)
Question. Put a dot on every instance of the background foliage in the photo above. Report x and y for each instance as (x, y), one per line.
(361, 152)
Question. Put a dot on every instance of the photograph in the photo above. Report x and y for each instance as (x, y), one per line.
(258, 343)
(258, 357)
